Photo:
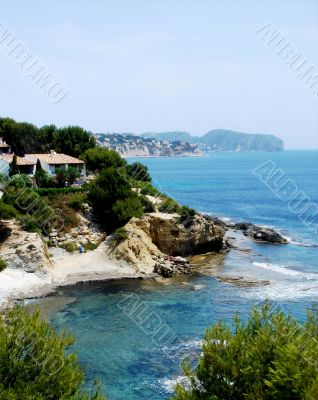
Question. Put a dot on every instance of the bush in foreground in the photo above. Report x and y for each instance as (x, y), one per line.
(271, 356)
(33, 363)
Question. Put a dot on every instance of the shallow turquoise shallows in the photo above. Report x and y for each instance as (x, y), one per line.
(114, 323)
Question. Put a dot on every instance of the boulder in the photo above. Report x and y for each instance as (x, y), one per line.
(259, 233)
(171, 267)
(25, 250)
(164, 270)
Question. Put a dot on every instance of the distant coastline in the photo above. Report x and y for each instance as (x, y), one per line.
(174, 144)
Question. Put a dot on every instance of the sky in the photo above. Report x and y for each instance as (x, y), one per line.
(164, 65)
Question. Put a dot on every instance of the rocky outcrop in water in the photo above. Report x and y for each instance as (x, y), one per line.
(156, 242)
(256, 232)
(176, 236)
(260, 233)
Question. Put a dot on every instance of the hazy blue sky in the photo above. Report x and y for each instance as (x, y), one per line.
(161, 65)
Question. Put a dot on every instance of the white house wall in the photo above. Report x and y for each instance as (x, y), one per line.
(4, 167)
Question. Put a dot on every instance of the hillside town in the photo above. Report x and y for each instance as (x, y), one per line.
(130, 145)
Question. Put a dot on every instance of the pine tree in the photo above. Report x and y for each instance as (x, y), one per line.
(13, 168)
(40, 174)
(38, 166)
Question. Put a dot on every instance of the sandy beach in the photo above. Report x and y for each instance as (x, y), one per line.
(66, 269)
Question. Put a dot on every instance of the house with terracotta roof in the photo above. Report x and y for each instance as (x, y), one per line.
(51, 161)
(25, 166)
(4, 147)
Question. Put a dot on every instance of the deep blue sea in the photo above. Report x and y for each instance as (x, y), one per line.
(121, 350)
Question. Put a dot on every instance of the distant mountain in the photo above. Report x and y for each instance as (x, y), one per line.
(225, 140)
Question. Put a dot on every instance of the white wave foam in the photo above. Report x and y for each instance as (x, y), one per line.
(181, 347)
(169, 385)
(284, 270)
(283, 292)
(301, 244)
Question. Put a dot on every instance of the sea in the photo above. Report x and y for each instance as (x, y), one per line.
(132, 335)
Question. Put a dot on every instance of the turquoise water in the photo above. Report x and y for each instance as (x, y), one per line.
(122, 350)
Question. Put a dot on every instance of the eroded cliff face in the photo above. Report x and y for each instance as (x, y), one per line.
(178, 236)
(157, 236)
(137, 250)
(24, 250)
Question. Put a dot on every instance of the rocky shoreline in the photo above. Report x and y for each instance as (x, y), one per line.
(158, 244)
(256, 232)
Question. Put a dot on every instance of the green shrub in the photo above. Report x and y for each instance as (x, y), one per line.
(3, 264)
(186, 214)
(70, 247)
(147, 188)
(90, 246)
(35, 361)
(61, 177)
(121, 233)
(99, 158)
(147, 204)
(57, 191)
(3, 178)
(29, 224)
(42, 177)
(113, 200)
(76, 201)
(72, 175)
(20, 181)
(169, 206)
(124, 210)
(271, 356)
(187, 211)
(138, 172)
(7, 211)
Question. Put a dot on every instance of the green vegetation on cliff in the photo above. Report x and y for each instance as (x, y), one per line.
(27, 138)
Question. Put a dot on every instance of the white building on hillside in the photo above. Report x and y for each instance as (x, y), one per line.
(51, 161)
(25, 166)
(4, 147)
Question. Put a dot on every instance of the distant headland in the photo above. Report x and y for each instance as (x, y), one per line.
(172, 144)
(224, 140)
